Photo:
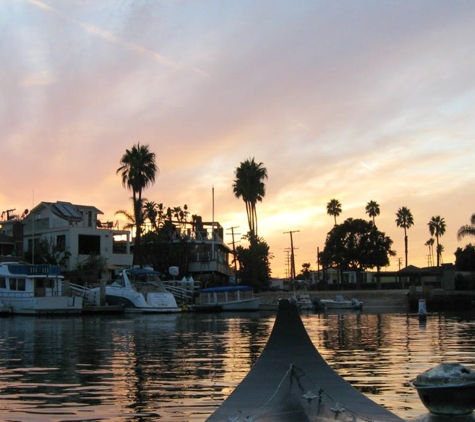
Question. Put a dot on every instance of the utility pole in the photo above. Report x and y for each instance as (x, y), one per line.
(292, 257)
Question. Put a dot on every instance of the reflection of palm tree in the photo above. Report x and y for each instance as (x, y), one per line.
(372, 209)
(138, 170)
(405, 220)
(334, 208)
(430, 244)
(437, 228)
(468, 229)
(249, 185)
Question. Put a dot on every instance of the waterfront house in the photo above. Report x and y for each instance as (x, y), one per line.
(76, 227)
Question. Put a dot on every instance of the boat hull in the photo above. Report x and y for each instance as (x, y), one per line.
(242, 305)
(44, 305)
(133, 302)
(292, 382)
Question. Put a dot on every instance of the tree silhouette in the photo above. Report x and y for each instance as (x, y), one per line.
(437, 228)
(334, 208)
(405, 220)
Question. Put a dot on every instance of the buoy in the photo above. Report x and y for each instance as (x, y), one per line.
(422, 306)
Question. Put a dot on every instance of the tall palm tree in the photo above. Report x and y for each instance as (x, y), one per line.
(372, 209)
(334, 208)
(405, 220)
(138, 170)
(437, 228)
(249, 185)
(467, 229)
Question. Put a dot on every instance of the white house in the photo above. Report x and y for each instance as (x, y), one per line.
(78, 228)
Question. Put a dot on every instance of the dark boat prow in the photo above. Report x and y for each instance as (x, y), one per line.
(292, 382)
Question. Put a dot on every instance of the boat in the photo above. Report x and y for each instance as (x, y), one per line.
(227, 298)
(138, 290)
(303, 301)
(291, 381)
(339, 302)
(35, 289)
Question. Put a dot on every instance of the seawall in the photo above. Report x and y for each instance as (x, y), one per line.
(384, 300)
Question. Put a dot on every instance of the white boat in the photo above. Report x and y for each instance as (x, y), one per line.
(339, 302)
(303, 301)
(227, 298)
(138, 290)
(36, 289)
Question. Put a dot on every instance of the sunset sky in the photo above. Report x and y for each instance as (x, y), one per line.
(352, 100)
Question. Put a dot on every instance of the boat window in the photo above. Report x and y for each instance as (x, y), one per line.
(12, 283)
(21, 284)
(3, 283)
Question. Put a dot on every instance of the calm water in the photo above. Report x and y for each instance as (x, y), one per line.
(181, 367)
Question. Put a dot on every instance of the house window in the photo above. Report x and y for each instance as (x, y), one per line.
(61, 241)
(3, 283)
(89, 245)
(89, 219)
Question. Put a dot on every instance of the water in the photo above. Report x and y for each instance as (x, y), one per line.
(181, 367)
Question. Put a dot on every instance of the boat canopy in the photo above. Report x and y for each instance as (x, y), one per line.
(142, 271)
(29, 269)
(227, 289)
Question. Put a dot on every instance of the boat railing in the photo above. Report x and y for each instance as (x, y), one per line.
(82, 291)
(12, 294)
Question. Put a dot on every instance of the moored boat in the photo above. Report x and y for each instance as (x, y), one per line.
(303, 301)
(227, 298)
(291, 381)
(36, 289)
(138, 290)
(339, 302)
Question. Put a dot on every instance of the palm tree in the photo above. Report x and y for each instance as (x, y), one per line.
(150, 210)
(405, 220)
(249, 185)
(138, 171)
(334, 208)
(430, 244)
(468, 229)
(372, 209)
(437, 228)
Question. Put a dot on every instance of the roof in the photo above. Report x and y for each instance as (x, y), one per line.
(67, 210)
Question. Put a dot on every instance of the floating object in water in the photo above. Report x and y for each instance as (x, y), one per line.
(447, 389)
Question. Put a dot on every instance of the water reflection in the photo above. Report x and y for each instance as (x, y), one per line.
(180, 367)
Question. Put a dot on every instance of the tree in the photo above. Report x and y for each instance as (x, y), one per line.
(467, 229)
(334, 208)
(254, 263)
(357, 245)
(138, 171)
(465, 258)
(430, 244)
(437, 228)
(249, 185)
(405, 220)
(372, 209)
